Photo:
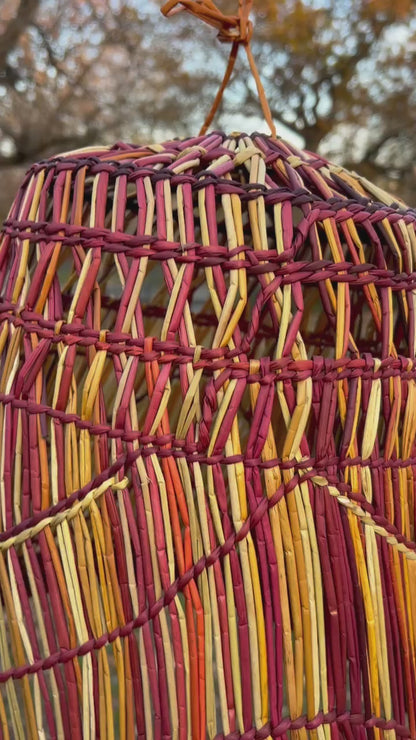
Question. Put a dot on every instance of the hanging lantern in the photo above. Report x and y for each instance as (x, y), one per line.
(207, 460)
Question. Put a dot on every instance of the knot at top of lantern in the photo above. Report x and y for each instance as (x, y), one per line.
(231, 28)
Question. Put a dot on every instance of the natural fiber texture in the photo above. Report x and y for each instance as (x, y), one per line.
(207, 460)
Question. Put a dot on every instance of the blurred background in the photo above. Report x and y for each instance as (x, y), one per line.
(340, 76)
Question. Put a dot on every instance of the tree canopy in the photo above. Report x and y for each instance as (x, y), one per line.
(339, 73)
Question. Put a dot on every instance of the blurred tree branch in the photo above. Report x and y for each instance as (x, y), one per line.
(18, 23)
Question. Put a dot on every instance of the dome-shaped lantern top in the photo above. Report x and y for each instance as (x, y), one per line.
(207, 460)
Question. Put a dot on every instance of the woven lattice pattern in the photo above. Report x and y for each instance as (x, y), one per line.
(207, 460)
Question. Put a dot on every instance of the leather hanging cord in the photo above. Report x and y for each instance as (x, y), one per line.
(236, 29)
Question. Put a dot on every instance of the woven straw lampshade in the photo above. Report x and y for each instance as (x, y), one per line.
(207, 443)
(207, 461)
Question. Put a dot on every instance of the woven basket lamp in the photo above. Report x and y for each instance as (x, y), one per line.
(207, 458)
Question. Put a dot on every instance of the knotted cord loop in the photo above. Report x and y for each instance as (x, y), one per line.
(232, 28)
(235, 29)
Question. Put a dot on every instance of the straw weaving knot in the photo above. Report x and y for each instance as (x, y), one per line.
(283, 727)
(298, 723)
(236, 29)
(345, 717)
(317, 721)
(239, 33)
(391, 724)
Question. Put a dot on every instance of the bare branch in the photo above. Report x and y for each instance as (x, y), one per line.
(17, 25)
